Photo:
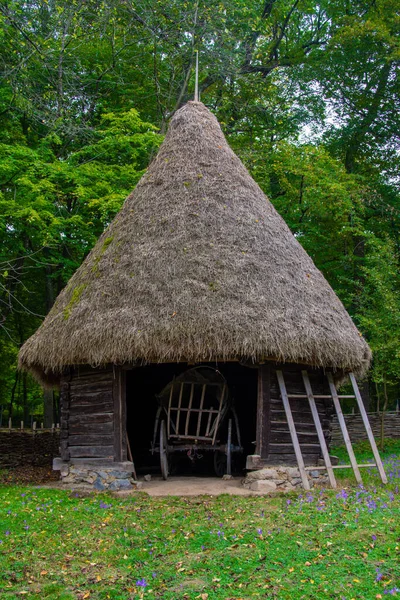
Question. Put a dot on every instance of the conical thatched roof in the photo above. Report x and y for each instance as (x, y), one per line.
(196, 266)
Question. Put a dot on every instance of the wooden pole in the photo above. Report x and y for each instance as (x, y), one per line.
(292, 429)
(196, 85)
(368, 429)
(263, 431)
(318, 426)
(343, 427)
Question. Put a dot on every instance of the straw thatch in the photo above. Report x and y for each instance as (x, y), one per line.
(196, 266)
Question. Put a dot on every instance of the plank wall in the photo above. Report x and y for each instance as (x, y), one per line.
(274, 441)
(93, 415)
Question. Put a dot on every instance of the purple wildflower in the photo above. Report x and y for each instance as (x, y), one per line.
(141, 582)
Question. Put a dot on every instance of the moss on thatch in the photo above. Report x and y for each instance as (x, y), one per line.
(196, 266)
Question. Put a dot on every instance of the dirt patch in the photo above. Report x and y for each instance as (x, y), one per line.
(195, 486)
(28, 475)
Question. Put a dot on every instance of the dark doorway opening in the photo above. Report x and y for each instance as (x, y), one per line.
(142, 386)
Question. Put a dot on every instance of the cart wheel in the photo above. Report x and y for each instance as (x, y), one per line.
(219, 463)
(163, 451)
(223, 460)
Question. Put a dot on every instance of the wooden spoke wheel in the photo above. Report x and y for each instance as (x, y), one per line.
(219, 463)
(163, 451)
(223, 460)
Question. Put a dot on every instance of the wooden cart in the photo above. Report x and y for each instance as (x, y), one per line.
(196, 416)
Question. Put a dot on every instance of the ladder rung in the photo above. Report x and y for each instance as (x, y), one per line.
(340, 467)
(317, 396)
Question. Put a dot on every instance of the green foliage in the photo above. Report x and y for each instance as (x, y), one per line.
(307, 93)
(52, 210)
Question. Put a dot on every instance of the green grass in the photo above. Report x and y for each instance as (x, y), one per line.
(340, 544)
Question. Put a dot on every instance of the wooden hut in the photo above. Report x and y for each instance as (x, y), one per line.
(196, 268)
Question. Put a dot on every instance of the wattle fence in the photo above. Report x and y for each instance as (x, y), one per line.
(357, 431)
(23, 447)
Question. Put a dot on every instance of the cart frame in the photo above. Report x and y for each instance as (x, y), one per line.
(184, 424)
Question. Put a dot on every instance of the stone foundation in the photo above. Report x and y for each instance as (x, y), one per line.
(112, 476)
(281, 479)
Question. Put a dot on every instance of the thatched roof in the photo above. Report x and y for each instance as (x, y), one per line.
(197, 266)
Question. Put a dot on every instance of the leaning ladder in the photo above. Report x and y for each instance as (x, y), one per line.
(311, 397)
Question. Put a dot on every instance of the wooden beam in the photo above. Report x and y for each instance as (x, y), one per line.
(263, 424)
(119, 396)
(368, 429)
(65, 402)
(189, 409)
(318, 426)
(343, 427)
(292, 429)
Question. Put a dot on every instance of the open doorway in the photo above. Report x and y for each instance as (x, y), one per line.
(144, 384)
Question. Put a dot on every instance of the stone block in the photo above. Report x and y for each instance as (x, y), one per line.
(119, 474)
(99, 485)
(314, 474)
(289, 487)
(292, 472)
(295, 481)
(262, 474)
(263, 486)
(90, 479)
(68, 479)
(124, 484)
(58, 463)
(116, 485)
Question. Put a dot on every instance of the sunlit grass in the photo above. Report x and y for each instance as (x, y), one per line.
(321, 544)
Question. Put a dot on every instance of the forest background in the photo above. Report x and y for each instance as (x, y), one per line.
(306, 91)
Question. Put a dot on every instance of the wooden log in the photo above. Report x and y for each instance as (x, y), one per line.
(343, 427)
(368, 429)
(318, 427)
(292, 428)
(90, 419)
(93, 439)
(119, 394)
(88, 409)
(82, 428)
(263, 411)
(91, 451)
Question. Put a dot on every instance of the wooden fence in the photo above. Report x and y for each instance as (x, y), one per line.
(23, 447)
(357, 430)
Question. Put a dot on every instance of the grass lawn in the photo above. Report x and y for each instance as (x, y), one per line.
(340, 544)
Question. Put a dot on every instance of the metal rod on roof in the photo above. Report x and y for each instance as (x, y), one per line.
(196, 85)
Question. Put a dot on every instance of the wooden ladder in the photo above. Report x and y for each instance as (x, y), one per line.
(321, 438)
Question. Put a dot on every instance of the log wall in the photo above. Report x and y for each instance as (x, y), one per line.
(357, 430)
(93, 415)
(276, 445)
